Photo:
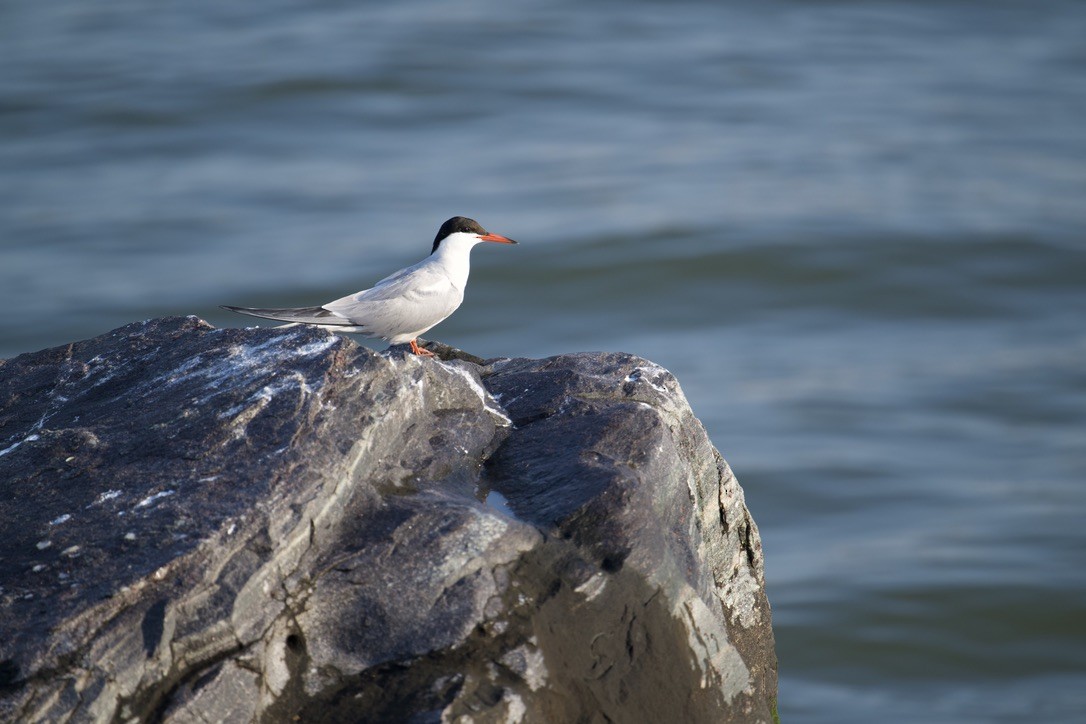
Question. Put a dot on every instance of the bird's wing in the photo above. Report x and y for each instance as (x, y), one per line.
(305, 315)
(410, 300)
(421, 276)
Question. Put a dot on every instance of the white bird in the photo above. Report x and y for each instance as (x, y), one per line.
(402, 306)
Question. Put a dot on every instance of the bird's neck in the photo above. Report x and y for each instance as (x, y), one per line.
(454, 258)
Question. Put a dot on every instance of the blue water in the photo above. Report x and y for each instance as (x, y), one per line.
(856, 232)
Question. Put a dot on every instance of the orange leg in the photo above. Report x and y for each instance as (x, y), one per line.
(420, 351)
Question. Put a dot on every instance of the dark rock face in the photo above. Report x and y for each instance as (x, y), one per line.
(277, 524)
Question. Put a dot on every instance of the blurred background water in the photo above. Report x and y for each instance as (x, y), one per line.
(854, 231)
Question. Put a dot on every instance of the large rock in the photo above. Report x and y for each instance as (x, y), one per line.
(280, 525)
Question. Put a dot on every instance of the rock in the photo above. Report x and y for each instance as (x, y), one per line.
(278, 524)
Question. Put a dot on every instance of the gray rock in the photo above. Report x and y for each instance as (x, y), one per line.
(277, 524)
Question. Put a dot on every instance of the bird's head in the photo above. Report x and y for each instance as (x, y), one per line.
(463, 229)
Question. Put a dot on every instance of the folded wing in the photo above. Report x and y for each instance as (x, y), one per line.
(403, 305)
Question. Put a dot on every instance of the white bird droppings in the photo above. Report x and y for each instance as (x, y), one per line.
(152, 498)
(485, 397)
(30, 438)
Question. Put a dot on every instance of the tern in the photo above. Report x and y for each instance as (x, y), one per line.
(402, 306)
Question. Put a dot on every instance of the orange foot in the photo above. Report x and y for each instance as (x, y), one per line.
(420, 351)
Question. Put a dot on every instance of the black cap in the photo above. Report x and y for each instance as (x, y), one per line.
(455, 224)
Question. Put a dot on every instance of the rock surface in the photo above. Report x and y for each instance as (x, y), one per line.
(278, 524)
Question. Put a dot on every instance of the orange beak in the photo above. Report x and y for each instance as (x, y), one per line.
(496, 237)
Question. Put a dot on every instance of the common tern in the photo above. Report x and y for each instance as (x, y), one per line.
(402, 306)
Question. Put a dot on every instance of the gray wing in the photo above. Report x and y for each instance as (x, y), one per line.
(411, 300)
(304, 315)
(421, 275)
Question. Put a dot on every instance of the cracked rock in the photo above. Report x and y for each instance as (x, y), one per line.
(278, 524)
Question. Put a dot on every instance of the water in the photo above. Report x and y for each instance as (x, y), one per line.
(855, 232)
